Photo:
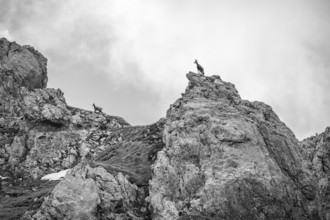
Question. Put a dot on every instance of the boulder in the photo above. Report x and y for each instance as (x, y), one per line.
(92, 193)
(28, 65)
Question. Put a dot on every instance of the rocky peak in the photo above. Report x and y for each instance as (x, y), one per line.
(227, 158)
(211, 87)
(201, 88)
(24, 63)
(214, 156)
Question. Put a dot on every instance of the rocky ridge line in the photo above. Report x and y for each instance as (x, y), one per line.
(40, 134)
(214, 156)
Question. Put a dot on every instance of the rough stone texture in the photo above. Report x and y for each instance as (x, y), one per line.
(227, 158)
(93, 193)
(119, 163)
(215, 156)
(39, 132)
(29, 66)
(317, 152)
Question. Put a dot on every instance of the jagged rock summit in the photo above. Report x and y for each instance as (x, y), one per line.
(214, 156)
(30, 66)
(228, 158)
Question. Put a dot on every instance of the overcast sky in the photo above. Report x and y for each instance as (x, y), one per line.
(131, 57)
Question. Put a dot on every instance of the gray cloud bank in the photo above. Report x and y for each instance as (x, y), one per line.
(130, 57)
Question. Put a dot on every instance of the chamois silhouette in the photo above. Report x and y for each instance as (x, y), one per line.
(200, 69)
(96, 108)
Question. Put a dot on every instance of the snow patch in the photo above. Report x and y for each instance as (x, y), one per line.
(55, 176)
(3, 177)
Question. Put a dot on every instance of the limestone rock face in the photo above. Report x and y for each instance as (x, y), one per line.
(227, 158)
(92, 193)
(317, 152)
(39, 133)
(29, 66)
(120, 171)
(214, 156)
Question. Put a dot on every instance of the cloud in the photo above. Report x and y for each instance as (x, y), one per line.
(131, 57)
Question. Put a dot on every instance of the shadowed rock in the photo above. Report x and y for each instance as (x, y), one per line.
(317, 153)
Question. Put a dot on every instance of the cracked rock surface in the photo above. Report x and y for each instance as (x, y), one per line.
(317, 153)
(30, 66)
(92, 193)
(40, 134)
(228, 158)
(214, 156)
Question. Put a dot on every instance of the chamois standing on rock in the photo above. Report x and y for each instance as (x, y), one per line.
(200, 69)
(96, 108)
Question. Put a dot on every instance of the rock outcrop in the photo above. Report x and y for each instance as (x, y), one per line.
(40, 134)
(227, 158)
(214, 156)
(317, 152)
(92, 193)
(117, 168)
(28, 66)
